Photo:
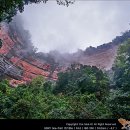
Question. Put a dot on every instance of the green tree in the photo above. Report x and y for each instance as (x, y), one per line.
(1, 43)
(9, 8)
(119, 104)
(36, 101)
(120, 101)
(122, 66)
(81, 79)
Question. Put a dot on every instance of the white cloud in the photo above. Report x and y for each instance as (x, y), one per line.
(80, 25)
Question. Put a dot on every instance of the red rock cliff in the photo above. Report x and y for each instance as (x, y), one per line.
(21, 64)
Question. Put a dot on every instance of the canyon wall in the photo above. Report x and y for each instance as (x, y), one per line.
(20, 62)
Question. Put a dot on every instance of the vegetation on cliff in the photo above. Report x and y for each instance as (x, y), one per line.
(79, 93)
(82, 92)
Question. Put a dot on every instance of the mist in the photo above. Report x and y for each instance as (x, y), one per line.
(83, 24)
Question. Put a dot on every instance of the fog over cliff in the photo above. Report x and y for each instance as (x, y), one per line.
(83, 24)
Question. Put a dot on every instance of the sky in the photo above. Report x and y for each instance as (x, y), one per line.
(83, 24)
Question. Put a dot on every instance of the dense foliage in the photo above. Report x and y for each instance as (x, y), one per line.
(9, 8)
(121, 98)
(80, 79)
(82, 92)
(80, 96)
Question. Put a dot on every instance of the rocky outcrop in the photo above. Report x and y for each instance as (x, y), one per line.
(20, 63)
(7, 68)
(103, 60)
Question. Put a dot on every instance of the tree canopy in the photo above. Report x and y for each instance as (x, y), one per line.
(42, 99)
(9, 8)
(121, 95)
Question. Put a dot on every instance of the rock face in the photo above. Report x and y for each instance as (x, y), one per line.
(20, 62)
(7, 68)
(102, 60)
